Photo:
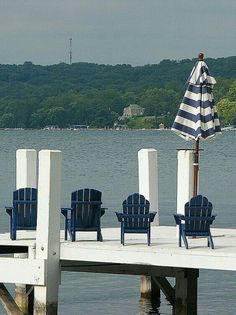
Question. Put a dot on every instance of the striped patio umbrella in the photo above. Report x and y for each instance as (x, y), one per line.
(197, 117)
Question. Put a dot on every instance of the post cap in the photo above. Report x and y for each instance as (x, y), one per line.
(201, 56)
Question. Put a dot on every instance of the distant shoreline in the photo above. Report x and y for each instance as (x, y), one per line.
(98, 129)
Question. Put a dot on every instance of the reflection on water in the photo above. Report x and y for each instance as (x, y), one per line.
(147, 306)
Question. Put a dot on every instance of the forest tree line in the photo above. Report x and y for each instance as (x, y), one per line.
(32, 96)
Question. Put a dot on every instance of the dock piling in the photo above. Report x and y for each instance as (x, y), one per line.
(148, 186)
(148, 178)
(26, 176)
(26, 168)
(8, 302)
(48, 230)
(186, 292)
(185, 178)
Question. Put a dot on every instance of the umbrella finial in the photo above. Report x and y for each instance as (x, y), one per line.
(201, 56)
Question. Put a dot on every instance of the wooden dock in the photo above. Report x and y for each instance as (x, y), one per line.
(162, 259)
(163, 252)
(34, 260)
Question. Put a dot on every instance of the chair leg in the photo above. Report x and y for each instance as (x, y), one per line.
(185, 240)
(13, 229)
(99, 235)
(123, 238)
(180, 234)
(211, 241)
(13, 233)
(73, 233)
(65, 234)
(149, 237)
(66, 229)
(122, 234)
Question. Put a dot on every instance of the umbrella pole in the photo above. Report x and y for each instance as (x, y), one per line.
(196, 167)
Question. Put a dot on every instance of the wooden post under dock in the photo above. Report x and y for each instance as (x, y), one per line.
(148, 187)
(48, 230)
(26, 176)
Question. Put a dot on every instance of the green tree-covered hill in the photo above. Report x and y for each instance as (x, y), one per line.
(32, 96)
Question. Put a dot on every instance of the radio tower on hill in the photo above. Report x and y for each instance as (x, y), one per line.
(70, 52)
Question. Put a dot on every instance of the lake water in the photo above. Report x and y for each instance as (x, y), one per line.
(108, 161)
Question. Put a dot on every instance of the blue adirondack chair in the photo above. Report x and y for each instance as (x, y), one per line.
(85, 213)
(23, 213)
(136, 217)
(196, 221)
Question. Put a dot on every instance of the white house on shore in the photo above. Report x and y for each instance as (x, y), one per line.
(133, 110)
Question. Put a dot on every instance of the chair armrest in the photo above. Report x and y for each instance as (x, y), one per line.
(178, 218)
(65, 211)
(103, 210)
(9, 210)
(152, 215)
(119, 216)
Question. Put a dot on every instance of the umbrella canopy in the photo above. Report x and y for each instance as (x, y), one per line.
(197, 117)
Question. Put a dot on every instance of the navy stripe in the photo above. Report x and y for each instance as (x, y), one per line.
(217, 128)
(202, 70)
(195, 118)
(198, 103)
(208, 133)
(183, 128)
(196, 133)
(199, 89)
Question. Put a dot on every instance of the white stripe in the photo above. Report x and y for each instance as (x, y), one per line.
(195, 126)
(194, 111)
(196, 72)
(198, 96)
(188, 137)
(183, 135)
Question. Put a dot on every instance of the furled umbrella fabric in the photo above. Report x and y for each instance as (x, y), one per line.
(197, 117)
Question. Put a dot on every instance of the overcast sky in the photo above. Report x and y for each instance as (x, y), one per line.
(135, 32)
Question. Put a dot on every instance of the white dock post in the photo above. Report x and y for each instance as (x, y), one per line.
(185, 178)
(26, 176)
(48, 230)
(148, 187)
(148, 178)
(26, 168)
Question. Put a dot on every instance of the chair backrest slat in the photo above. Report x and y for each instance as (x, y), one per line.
(25, 207)
(136, 204)
(198, 206)
(86, 205)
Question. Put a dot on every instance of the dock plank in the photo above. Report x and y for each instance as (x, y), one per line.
(164, 250)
